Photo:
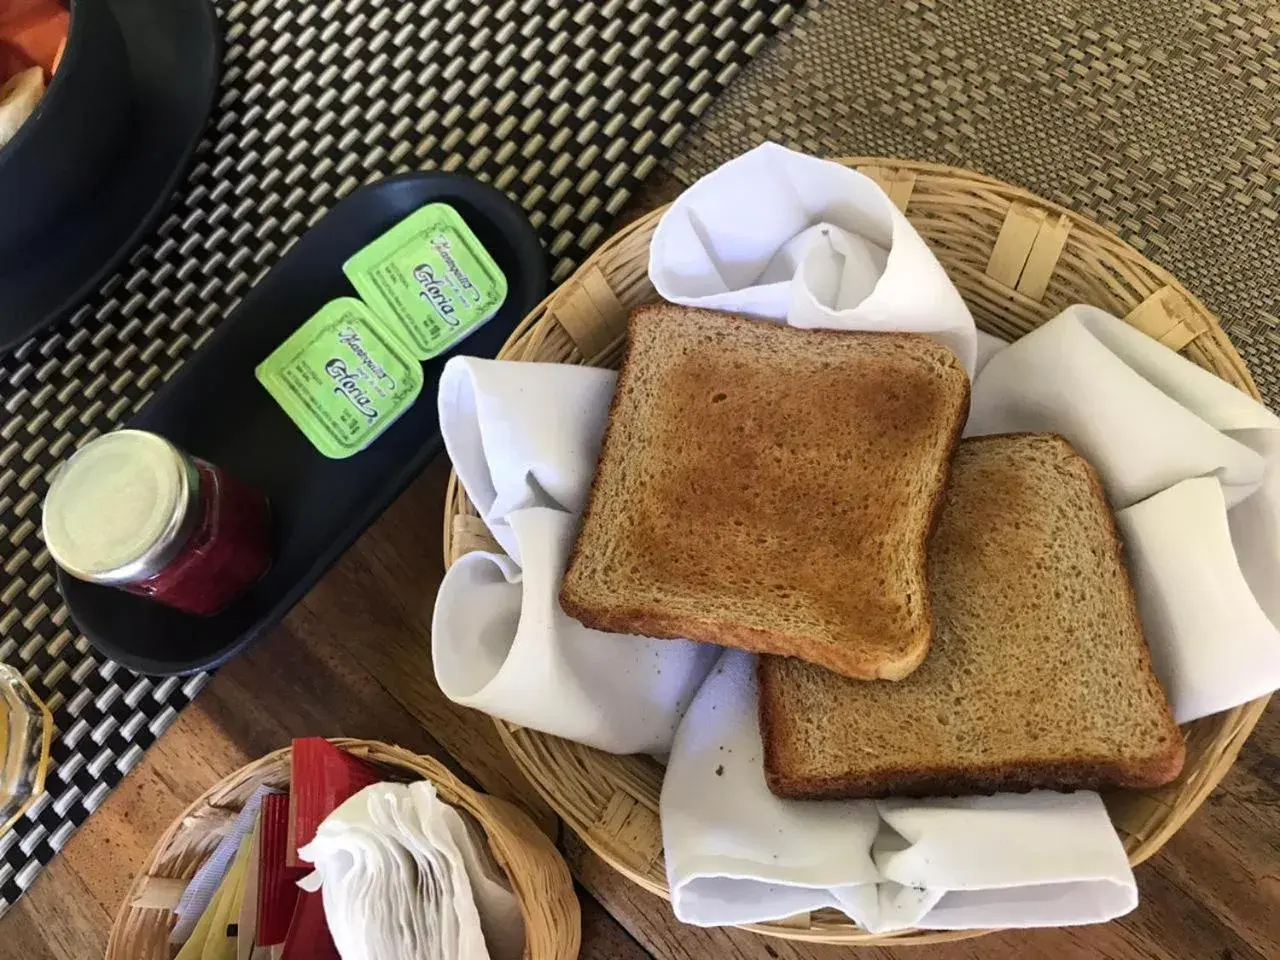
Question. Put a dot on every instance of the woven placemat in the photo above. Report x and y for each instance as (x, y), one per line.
(1159, 120)
(564, 104)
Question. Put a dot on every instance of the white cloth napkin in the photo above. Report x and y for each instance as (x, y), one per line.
(523, 435)
(402, 875)
(1192, 467)
(735, 853)
(524, 438)
(1018, 860)
(1212, 645)
(784, 236)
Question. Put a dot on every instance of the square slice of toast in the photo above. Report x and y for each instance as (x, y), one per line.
(1039, 675)
(770, 488)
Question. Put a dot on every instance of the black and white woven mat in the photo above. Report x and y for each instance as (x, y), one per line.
(564, 104)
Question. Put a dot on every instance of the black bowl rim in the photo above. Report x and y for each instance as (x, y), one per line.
(69, 302)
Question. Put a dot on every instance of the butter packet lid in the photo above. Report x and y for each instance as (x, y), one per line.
(341, 378)
(429, 279)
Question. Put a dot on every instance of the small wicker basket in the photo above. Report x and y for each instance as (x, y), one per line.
(538, 874)
(1018, 260)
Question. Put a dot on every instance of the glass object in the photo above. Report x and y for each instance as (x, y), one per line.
(131, 510)
(26, 729)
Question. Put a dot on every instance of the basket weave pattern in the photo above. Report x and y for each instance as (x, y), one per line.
(1018, 260)
(539, 876)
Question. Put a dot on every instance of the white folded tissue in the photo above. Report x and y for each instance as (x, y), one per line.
(1198, 460)
(784, 236)
(401, 873)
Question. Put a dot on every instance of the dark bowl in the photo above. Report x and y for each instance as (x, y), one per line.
(65, 146)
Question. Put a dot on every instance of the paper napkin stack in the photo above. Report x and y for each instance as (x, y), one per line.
(402, 874)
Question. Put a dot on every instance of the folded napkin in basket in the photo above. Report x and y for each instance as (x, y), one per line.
(737, 854)
(548, 672)
(403, 874)
(524, 438)
(784, 236)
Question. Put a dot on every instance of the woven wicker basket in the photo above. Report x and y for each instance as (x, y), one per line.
(1018, 260)
(538, 874)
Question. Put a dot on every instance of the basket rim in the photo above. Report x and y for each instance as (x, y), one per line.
(1092, 226)
(1238, 721)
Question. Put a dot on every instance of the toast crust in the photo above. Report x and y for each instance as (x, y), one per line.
(1014, 776)
(612, 611)
(786, 763)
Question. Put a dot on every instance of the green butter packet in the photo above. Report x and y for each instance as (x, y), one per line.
(341, 378)
(429, 280)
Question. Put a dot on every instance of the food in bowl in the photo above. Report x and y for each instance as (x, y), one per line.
(33, 35)
(19, 96)
(57, 152)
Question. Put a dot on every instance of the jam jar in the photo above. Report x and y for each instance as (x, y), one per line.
(131, 510)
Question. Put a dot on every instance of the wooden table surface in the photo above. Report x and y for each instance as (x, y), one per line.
(354, 660)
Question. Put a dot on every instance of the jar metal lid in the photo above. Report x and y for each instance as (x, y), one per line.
(121, 508)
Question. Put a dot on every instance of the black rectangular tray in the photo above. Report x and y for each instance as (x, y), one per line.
(215, 409)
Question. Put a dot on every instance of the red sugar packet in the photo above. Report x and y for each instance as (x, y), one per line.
(277, 882)
(323, 777)
(309, 937)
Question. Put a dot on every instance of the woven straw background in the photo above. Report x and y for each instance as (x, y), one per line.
(1159, 119)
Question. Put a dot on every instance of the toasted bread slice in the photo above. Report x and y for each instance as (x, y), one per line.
(1038, 677)
(770, 488)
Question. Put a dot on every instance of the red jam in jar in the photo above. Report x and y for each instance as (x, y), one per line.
(132, 511)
